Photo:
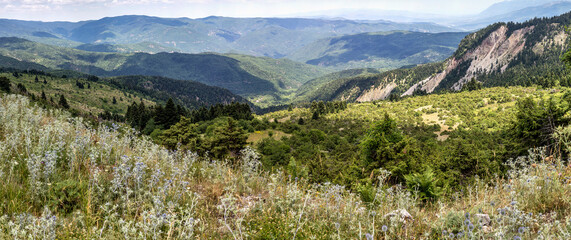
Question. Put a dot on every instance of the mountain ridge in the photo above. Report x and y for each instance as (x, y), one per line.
(272, 37)
(247, 76)
(502, 54)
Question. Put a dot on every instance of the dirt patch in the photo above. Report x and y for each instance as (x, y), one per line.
(258, 136)
(434, 118)
(422, 108)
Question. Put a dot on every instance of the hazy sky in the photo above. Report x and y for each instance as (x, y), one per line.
(75, 10)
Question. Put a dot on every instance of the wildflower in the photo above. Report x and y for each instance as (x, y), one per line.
(513, 203)
(467, 222)
(337, 225)
(384, 228)
(470, 227)
(451, 235)
(521, 230)
(460, 234)
(517, 238)
(369, 236)
(467, 215)
(444, 232)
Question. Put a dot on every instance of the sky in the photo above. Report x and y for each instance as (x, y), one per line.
(77, 10)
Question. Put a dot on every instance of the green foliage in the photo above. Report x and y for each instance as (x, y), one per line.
(386, 146)
(5, 84)
(235, 110)
(296, 170)
(227, 139)
(275, 153)
(367, 192)
(472, 85)
(566, 58)
(67, 196)
(63, 102)
(536, 121)
(424, 184)
(184, 133)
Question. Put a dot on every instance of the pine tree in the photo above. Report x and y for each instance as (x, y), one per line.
(5, 84)
(44, 95)
(170, 114)
(36, 79)
(114, 100)
(229, 139)
(63, 102)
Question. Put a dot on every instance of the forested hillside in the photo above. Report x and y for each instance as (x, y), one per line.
(382, 50)
(262, 80)
(503, 54)
(88, 94)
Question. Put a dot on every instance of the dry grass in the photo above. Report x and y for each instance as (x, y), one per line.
(258, 136)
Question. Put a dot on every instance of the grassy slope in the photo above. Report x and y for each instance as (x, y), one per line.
(94, 100)
(117, 185)
(126, 90)
(311, 90)
(488, 109)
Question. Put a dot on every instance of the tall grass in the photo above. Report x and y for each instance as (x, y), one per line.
(64, 180)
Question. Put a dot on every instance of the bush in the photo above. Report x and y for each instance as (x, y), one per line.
(424, 184)
(67, 195)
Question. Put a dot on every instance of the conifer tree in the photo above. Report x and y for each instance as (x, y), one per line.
(63, 102)
(171, 115)
(229, 139)
(5, 84)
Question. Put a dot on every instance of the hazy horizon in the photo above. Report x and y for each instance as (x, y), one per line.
(79, 10)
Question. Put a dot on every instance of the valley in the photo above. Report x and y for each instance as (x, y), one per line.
(411, 126)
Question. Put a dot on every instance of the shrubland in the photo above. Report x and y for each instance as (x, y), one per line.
(66, 179)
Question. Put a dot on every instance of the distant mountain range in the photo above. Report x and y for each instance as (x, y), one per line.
(505, 11)
(514, 11)
(422, 57)
(271, 37)
(384, 50)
